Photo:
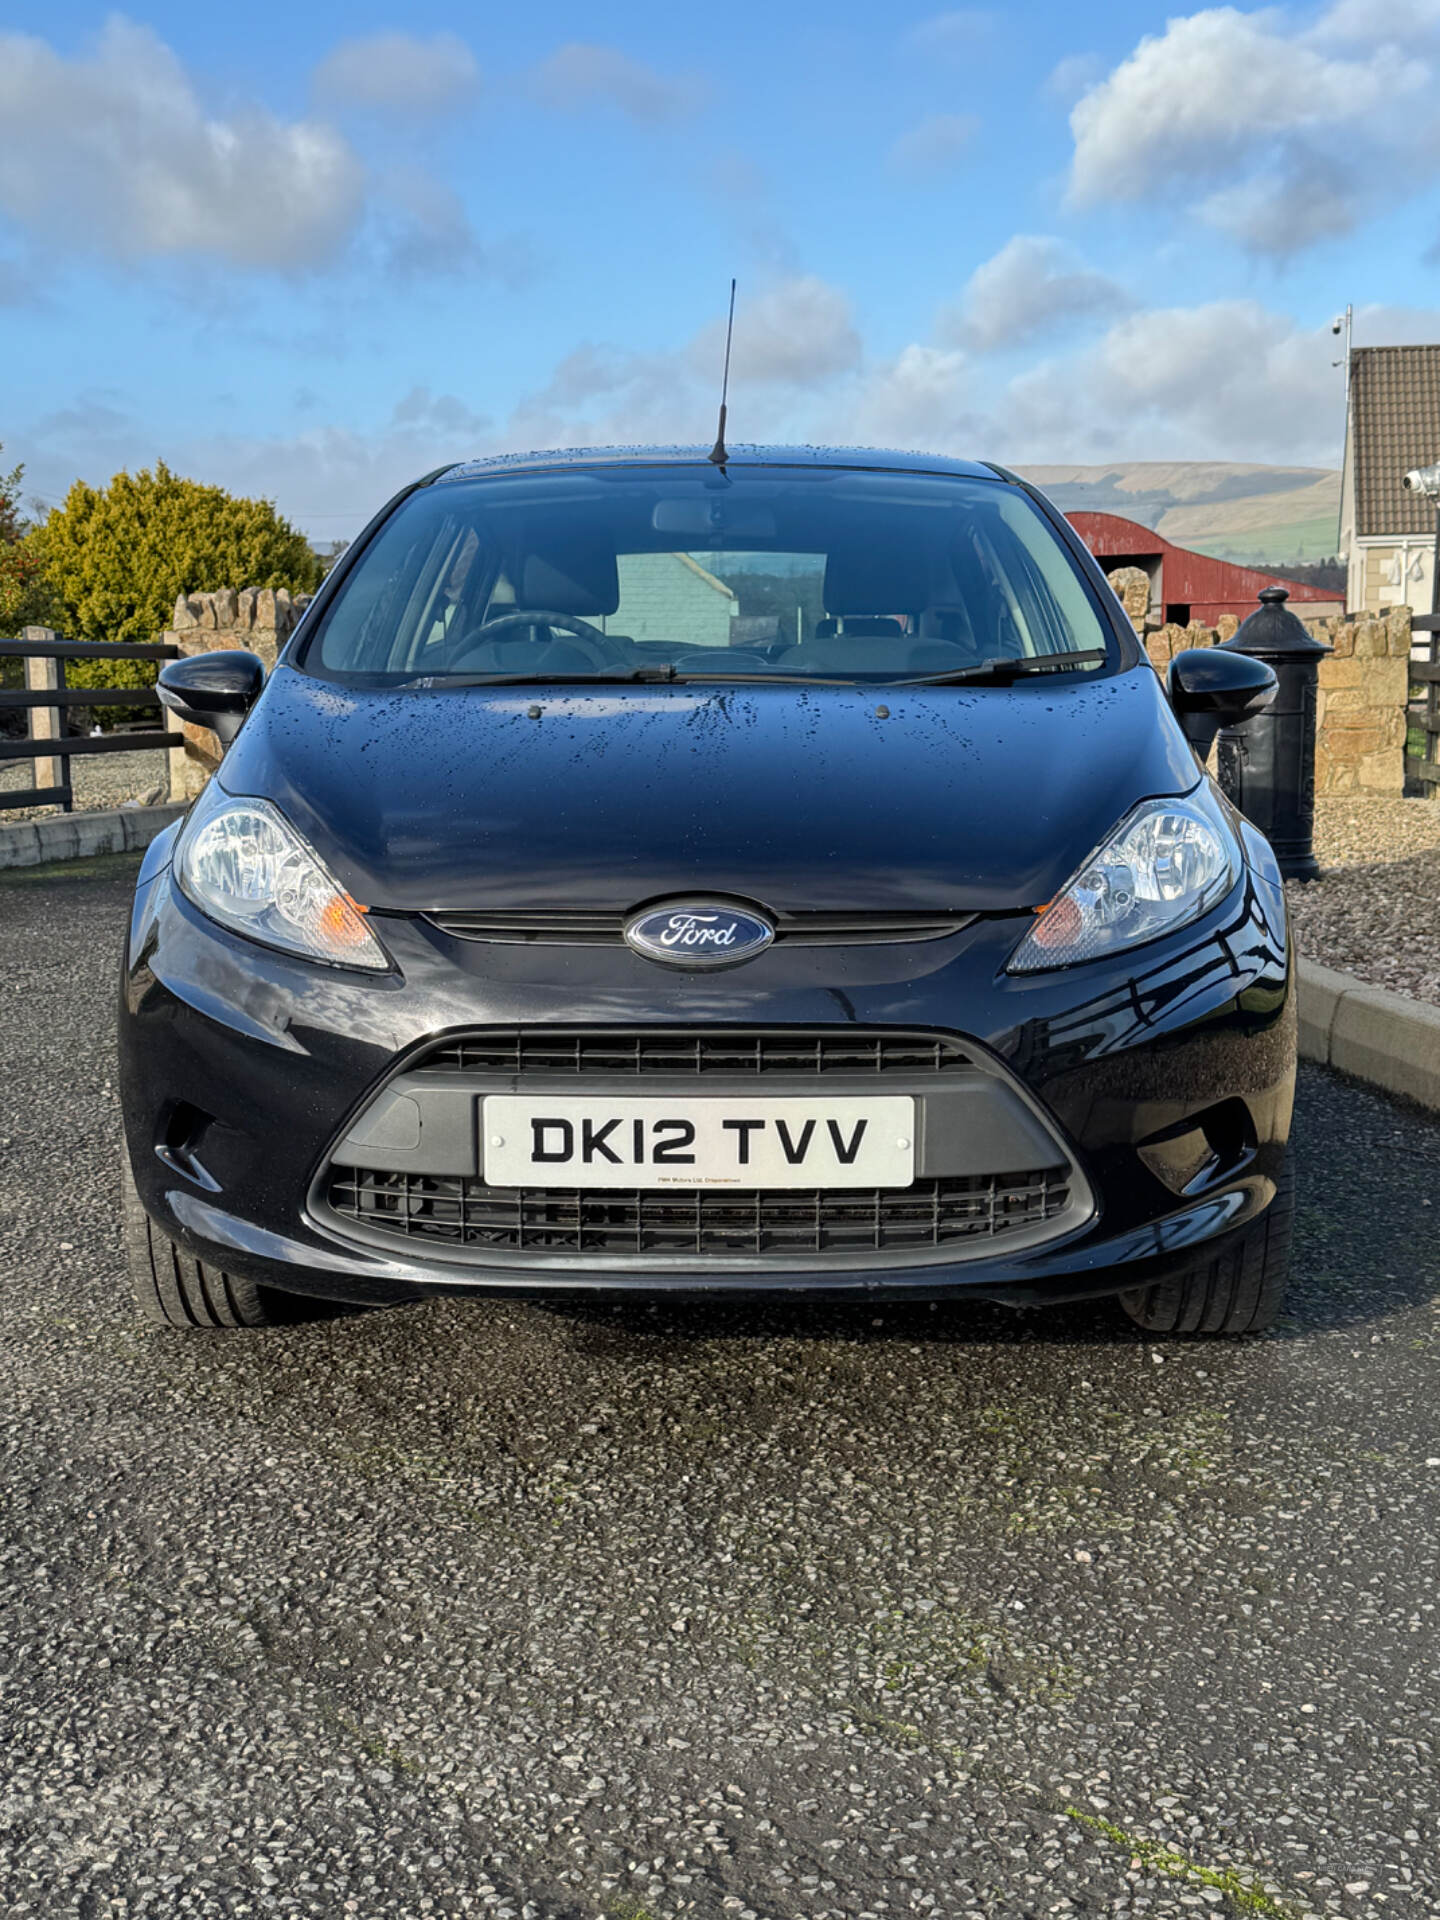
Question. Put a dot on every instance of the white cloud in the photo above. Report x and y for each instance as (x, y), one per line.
(1407, 22)
(113, 151)
(18, 286)
(744, 193)
(1073, 75)
(1032, 286)
(1288, 135)
(1293, 207)
(935, 146)
(733, 174)
(1230, 380)
(795, 344)
(424, 230)
(1378, 325)
(601, 397)
(400, 74)
(923, 398)
(581, 75)
(795, 338)
(1227, 380)
(951, 34)
(800, 332)
(328, 479)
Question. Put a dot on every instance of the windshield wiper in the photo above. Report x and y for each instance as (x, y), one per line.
(657, 675)
(1001, 671)
(431, 680)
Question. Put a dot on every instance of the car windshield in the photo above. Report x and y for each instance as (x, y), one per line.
(635, 573)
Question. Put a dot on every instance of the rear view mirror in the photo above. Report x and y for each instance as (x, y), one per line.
(713, 514)
(1210, 688)
(214, 690)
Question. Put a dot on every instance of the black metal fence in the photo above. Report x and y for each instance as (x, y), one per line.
(1422, 768)
(47, 700)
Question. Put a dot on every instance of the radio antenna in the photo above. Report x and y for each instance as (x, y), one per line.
(717, 453)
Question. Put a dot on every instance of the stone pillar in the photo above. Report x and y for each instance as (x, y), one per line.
(255, 620)
(1131, 586)
(1360, 713)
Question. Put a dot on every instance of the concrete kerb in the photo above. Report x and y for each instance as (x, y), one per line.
(76, 836)
(1370, 1033)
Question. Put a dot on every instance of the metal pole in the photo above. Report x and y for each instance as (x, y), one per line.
(1345, 444)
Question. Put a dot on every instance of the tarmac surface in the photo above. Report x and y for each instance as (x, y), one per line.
(775, 1613)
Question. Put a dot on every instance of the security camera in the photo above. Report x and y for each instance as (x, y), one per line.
(1424, 480)
(1338, 325)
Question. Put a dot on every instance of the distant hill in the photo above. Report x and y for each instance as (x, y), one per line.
(1255, 515)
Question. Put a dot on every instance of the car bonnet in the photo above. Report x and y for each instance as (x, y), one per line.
(822, 798)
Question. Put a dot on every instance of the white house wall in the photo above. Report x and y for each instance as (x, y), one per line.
(664, 596)
(1390, 573)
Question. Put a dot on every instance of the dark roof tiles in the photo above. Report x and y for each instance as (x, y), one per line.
(1395, 407)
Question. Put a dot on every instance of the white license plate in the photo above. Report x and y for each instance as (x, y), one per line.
(600, 1142)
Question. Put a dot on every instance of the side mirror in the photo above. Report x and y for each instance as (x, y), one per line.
(214, 690)
(1210, 688)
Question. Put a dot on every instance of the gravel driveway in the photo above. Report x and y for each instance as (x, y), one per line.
(1374, 911)
(99, 780)
(777, 1614)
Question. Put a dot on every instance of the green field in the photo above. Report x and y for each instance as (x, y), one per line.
(1274, 547)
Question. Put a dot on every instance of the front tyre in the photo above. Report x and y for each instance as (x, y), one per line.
(1238, 1291)
(172, 1289)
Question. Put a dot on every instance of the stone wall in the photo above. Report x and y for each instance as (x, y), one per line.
(257, 619)
(1364, 685)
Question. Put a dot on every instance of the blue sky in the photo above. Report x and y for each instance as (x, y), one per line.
(310, 252)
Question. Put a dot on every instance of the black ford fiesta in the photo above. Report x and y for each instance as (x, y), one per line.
(649, 874)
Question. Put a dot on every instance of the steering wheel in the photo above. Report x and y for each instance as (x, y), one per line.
(597, 645)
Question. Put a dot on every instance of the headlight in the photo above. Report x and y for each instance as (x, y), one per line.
(1164, 865)
(244, 864)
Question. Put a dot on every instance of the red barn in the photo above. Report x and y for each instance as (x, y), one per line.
(1187, 586)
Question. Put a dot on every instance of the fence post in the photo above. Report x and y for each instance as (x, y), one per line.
(46, 723)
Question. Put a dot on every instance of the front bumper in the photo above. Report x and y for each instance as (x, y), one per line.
(1166, 1082)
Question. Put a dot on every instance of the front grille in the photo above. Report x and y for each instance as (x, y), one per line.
(506, 1052)
(591, 927)
(550, 1221)
(569, 929)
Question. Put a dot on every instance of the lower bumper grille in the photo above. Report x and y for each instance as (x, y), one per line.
(456, 1212)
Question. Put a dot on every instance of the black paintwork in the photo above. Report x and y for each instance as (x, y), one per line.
(796, 797)
(282, 1055)
(982, 800)
(1210, 688)
(863, 459)
(215, 690)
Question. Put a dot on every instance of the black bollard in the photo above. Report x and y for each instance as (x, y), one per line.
(1267, 766)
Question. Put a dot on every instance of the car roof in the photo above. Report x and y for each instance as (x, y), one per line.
(867, 459)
